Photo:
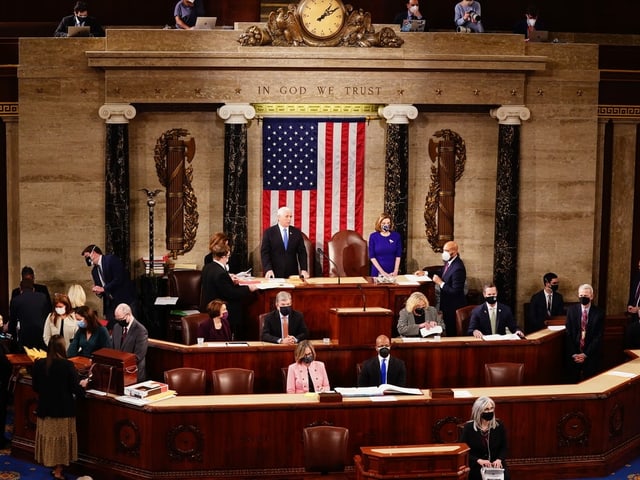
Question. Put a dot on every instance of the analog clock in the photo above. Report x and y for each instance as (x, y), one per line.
(322, 19)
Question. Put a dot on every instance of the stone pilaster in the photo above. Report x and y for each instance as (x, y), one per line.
(12, 212)
(505, 266)
(396, 185)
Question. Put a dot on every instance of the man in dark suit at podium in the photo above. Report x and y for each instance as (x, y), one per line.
(383, 368)
(284, 324)
(451, 282)
(282, 251)
(546, 303)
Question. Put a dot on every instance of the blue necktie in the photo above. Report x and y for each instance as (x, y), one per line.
(285, 237)
(383, 371)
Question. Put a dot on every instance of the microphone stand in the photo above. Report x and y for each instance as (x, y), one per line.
(322, 254)
(364, 298)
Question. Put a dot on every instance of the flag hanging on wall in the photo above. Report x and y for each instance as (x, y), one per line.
(316, 168)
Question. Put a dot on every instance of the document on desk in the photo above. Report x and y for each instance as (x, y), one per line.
(271, 284)
(617, 373)
(166, 301)
(462, 394)
(510, 336)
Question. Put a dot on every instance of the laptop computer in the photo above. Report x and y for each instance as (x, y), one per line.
(539, 36)
(205, 23)
(78, 31)
(413, 25)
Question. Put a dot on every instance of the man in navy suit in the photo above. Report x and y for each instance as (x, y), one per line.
(282, 251)
(284, 319)
(583, 335)
(371, 374)
(451, 283)
(546, 303)
(111, 281)
(492, 317)
(130, 336)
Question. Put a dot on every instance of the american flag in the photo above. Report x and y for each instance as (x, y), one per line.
(316, 168)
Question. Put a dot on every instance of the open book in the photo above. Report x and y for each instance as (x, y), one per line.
(384, 389)
(509, 336)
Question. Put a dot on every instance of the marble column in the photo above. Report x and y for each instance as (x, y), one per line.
(505, 247)
(12, 186)
(116, 205)
(396, 184)
(234, 221)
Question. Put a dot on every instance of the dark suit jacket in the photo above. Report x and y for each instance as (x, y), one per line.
(538, 309)
(452, 295)
(30, 308)
(56, 388)
(632, 290)
(216, 283)
(592, 340)
(274, 257)
(272, 330)
(118, 286)
(135, 342)
(70, 21)
(38, 288)
(370, 372)
(480, 320)
(478, 449)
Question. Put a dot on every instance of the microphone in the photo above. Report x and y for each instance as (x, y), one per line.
(364, 298)
(322, 254)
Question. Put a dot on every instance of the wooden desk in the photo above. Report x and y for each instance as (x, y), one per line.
(451, 362)
(355, 326)
(554, 431)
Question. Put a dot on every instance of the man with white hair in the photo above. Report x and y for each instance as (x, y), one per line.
(282, 251)
(583, 334)
(130, 336)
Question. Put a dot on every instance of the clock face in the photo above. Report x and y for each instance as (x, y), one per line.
(322, 18)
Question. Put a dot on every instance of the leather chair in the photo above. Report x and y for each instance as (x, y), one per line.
(261, 319)
(325, 448)
(349, 251)
(232, 381)
(190, 327)
(186, 285)
(463, 317)
(311, 255)
(285, 372)
(187, 381)
(503, 374)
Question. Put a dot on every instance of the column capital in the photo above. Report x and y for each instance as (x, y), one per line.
(511, 114)
(399, 113)
(238, 113)
(117, 112)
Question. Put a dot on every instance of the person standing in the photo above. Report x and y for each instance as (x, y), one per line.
(282, 251)
(131, 336)
(385, 248)
(583, 335)
(383, 368)
(60, 321)
(111, 281)
(26, 274)
(80, 18)
(546, 303)
(492, 317)
(56, 382)
(29, 311)
(284, 324)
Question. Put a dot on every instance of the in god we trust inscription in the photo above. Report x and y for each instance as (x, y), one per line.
(319, 23)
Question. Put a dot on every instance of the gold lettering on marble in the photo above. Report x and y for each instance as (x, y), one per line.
(362, 90)
(321, 90)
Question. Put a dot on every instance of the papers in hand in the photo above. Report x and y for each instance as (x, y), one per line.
(509, 336)
(245, 274)
(425, 332)
(384, 389)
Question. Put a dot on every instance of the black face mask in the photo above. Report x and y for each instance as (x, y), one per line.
(491, 300)
(554, 288)
(122, 323)
(307, 359)
(419, 312)
(285, 311)
(488, 416)
(585, 300)
(88, 261)
(384, 352)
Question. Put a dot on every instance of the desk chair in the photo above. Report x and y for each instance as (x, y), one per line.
(285, 373)
(186, 285)
(232, 381)
(503, 374)
(187, 381)
(463, 317)
(261, 318)
(349, 251)
(190, 327)
(325, 448)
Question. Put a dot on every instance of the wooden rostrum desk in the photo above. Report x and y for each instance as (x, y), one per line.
(554, 431)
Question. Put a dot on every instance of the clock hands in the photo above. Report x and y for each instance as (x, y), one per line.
(328, 12)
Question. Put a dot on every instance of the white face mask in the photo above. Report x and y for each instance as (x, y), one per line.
(445, 256)
(531, 22)
(414, 9)
(61, 310)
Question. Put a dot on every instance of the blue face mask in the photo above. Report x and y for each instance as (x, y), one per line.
(82, 324)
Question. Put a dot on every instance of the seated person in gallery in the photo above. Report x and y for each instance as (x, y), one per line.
(80, 18)
(284, 324)
(416, 315)
(412, 12)
(306, 374)
(383, 368)
(216, 328)
(467, 16)
(186, 12)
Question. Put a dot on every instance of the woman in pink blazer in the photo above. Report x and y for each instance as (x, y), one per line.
(306, 374)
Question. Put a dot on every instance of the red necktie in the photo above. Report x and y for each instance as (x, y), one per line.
(446, 267)
(124, 333)
(583, 327)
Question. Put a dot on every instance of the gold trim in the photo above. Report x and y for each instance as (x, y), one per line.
(9, 109)
(272, 109)
(619, 111)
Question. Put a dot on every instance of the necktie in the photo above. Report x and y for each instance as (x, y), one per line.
(285, 237)
(492, 319)
(549, 305)
(124, 333)
(637, 294)
(285, 327)
(583, 326)
(383, 371)
(100, 275)
(446, 267)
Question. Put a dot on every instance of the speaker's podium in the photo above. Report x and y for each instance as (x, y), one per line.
(359, 326)
(413, 462)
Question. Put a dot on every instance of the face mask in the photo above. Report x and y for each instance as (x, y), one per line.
(554, 288)
(384, 352)
(386, 228)
(61, 310)
(488, 416)
(88, 261)
(585, 300)
(285, 311)
(491, 300)
(81, 18)
(82, 324)
(419, 312)
(307, 359)
(414, 9)
(224, 315)
(531, 22)
(122, 323)
(446, 256)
